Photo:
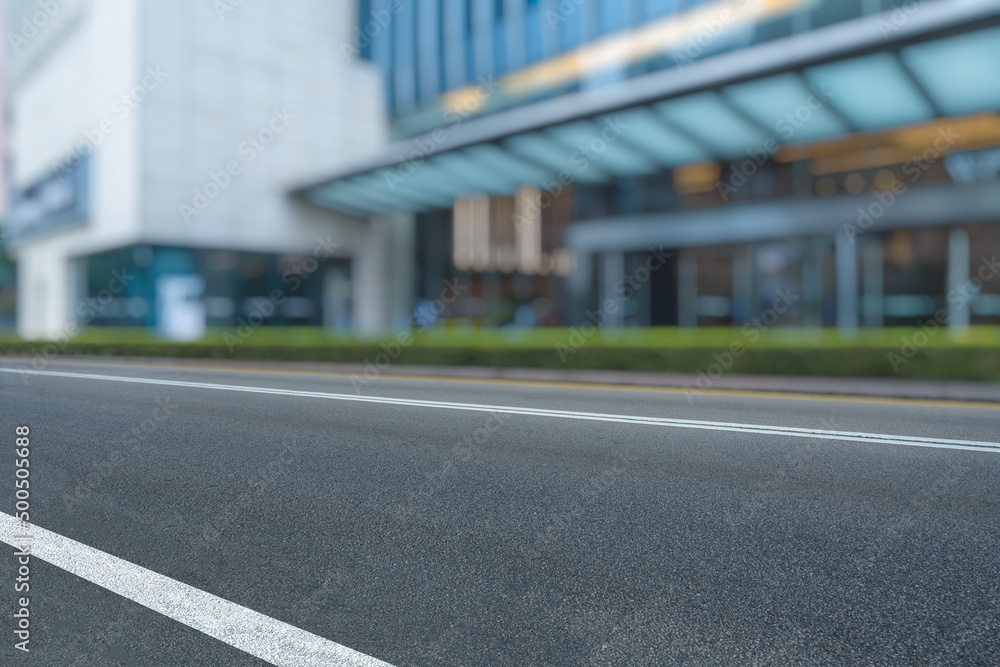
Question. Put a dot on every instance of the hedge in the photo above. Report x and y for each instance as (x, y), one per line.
(883, 353)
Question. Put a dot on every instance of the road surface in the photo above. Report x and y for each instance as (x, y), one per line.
(211, 516)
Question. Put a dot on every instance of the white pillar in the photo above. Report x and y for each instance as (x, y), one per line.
(383, 276)
(46, 288)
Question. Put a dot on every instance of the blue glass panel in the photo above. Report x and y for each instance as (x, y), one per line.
(961, 74)
(506, 164)
(499, 48)
(611, 15)
(708, 118)
(533, 34)
(601, 144)
(404, 69)
(429, 42)
(364, 13)
(873, 91)
(455, 60)
(546, 151)
(668, 147)
(463, 167)
(786, 104)
(570, 26)
(656, 8)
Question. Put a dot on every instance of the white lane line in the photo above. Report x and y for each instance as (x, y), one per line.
(822, 434)
(262, 636)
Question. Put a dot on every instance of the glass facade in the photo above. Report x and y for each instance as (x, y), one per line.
(229, 288)
(427, 48)
(708, 203)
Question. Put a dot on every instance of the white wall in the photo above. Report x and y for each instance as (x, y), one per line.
(64, 84)
(219, 80)
(226, 77)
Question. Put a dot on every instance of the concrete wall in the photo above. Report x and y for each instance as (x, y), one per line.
(264, 89)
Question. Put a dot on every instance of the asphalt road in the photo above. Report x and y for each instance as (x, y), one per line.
(421, 532)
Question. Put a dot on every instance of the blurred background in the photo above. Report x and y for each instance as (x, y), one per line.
(196, 167)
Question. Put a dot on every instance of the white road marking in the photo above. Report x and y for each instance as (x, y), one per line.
(848, 436)
(262, 636)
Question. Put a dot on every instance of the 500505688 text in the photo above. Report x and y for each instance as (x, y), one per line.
(22, 504)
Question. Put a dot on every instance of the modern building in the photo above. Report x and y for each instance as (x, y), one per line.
(187, 164)
(152, 147)
(684, 162)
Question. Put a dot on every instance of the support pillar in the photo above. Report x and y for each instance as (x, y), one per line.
(743, 284)
(812, 287)
(874, 299)
(687, 288)
(46, 293)
(847, 285)
(383, 280)
(612, 272)
(959, 267)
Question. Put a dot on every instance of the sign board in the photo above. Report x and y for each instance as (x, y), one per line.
(56, 202)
